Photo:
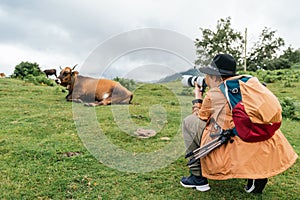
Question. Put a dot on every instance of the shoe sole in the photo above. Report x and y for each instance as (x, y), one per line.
(251, 188)
(202, 188)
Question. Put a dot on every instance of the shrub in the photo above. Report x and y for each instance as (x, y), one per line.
(25, 69)
(269, 79)
(288, 108)
(39, 80)
(278, 63)
(296, 65)
(288, 84)
(31, 72)
(127, 83)
(282, 75)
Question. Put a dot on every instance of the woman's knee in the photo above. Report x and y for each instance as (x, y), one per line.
(193, 122)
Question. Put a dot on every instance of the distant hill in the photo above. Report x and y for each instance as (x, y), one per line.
(174, 77)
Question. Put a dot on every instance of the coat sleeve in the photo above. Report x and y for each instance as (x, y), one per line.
(203, 110)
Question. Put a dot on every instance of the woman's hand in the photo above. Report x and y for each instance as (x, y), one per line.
(197, 91)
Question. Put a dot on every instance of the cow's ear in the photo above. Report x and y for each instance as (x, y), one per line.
(75, 73)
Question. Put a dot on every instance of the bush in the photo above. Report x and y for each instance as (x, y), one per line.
(274, 64)
(296, 65)
(127, 83)
(283, 75)
(31, 72)
(25, 69)
(288, 108)
(288, 84)
(277, 63)
(269, 79)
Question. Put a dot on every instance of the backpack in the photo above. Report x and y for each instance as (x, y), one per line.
(256, 111)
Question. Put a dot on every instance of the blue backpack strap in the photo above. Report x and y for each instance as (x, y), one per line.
(223, 90)
(245, 78)
(234, 131)
(231, 90)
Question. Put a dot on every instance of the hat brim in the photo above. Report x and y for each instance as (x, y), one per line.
(214, 71)
(209, 70)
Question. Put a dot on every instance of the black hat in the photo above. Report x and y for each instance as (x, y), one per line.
(222, 64)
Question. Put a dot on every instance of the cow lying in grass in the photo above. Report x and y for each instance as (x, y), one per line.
(94, 92)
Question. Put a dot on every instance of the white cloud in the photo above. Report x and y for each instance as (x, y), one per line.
(14, 55)
(66, 32)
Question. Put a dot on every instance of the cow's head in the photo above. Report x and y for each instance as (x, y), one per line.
(65, 76)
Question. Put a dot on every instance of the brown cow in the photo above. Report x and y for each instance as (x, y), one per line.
(2, 75)
(50, 72)
(93, 91)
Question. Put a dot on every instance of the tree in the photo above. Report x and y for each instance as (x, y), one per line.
(265, 49)
(277, 63)
(223, 40)
(292, 55)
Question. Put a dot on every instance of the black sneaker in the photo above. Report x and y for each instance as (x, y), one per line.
(200, 183)
(256, 185)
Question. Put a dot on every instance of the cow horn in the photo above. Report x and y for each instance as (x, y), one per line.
(74, 66)
(60, 67)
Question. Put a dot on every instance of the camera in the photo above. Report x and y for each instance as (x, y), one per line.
(189, 81)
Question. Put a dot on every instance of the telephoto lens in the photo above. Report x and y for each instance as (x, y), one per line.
(189, 81)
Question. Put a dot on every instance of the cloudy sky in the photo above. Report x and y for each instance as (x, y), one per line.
(63, 33)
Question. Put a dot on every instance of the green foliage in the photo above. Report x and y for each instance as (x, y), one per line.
(264, 54)
(269, 79)
(288, 107)
(277, 63)
(127, 83)
(25, 69)
(291, 55)
(296, 65)
(284, 76)
(31, 72)
(223, 40)
(39, 80)
(288, 84)
(264, 50)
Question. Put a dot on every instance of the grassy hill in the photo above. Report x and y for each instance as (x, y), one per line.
(53, 149)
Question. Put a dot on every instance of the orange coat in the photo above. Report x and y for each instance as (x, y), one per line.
(240, 159)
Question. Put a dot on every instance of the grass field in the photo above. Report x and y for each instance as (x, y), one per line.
(53, 149)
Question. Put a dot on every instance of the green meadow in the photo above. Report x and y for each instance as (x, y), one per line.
(53, 149)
